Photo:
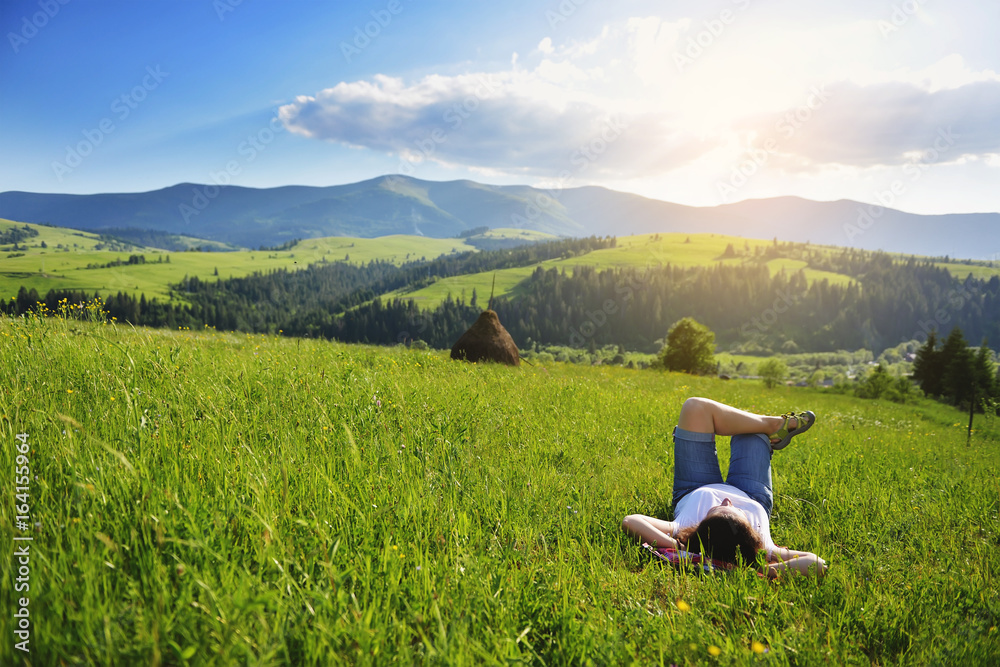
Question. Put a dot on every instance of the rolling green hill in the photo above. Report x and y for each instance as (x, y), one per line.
(653, 250)
(239, 499)
(64, 263)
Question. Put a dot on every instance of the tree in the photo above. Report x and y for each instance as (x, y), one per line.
(773, 372)
(928, 369)
(902, 390)
(790, 347)
(876, 384)
(984, 376)
(690, 348)
(957, 360)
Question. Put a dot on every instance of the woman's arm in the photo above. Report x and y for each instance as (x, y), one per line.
(784, 553)
(656, 532)
(795, 562)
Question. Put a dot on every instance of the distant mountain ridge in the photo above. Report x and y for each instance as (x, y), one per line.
(386, 205)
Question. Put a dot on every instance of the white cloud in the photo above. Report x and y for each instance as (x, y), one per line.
(884, 124)
(535, 119)
(524, 123)
(561, 72)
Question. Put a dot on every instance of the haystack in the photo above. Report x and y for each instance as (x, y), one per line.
(487, 340)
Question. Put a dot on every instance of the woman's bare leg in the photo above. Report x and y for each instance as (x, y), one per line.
(703, 415)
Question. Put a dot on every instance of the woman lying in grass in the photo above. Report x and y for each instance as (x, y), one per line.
(727, 521)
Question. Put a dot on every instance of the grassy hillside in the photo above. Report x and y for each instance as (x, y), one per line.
(982, 270)
(638, 251)
(76, 240)
(66, 267)
(223, 499)
(654, 250)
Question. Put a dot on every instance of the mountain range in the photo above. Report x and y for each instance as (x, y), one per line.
(253, 217)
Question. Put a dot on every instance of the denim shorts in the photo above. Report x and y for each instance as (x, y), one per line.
(696, 464)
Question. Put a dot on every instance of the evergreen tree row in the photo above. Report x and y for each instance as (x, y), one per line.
(744, 303)
(954, 373)
(887, 303)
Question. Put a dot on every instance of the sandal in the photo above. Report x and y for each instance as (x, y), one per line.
(804, 420)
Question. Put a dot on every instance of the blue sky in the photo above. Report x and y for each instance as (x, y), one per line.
(700, 103)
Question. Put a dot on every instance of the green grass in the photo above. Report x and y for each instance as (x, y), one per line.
(653, 250)
(791, 266)
(631, 251)
(748, 360)
(397, 249)
(431, 296)
(982, 271)
(77, 240)
(214, 498)
(51, 268)
(45, 269)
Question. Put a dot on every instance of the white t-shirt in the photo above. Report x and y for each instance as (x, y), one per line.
(694, 506)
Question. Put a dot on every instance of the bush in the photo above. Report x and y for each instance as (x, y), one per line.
(903, 391)
(690, 348)
(875, 384)
(773, 372)
(880, 384)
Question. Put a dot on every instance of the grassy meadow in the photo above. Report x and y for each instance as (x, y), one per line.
(67, 267)
(72, 262)
(641, 250)
(207, 498)
(632, 251)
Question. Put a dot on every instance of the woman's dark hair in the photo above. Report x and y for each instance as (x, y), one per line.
(722, 538)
